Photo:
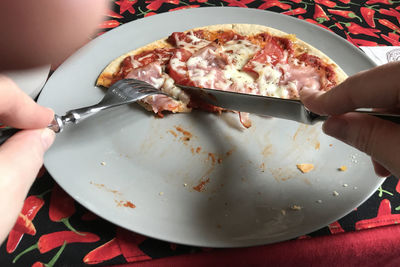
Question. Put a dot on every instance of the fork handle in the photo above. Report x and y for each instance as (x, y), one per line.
(77, 115)
(74, 116)
(57, 125)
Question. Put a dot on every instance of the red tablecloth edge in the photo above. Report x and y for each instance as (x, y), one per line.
(373, 247)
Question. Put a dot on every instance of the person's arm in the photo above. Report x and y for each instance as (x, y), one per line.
(376, 88)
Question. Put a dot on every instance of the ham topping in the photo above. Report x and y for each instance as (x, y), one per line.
(261, 64)
(206, 68)
(152, 74)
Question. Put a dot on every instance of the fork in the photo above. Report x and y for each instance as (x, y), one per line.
(120, 93)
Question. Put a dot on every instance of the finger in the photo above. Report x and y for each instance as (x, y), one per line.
(18, 110)
(20, 160)
(375, 88)
(380, 170)
(378, 138)
(53, 30)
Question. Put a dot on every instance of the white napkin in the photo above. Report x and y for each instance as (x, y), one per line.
(382, 54)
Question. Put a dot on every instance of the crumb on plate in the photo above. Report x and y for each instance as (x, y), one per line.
(343, 168)
(305, 167)
(295, 207)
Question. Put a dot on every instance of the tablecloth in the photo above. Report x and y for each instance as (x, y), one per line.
(58, 219)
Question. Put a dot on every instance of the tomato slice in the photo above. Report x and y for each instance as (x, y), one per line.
(271, 53)
(125, 67)
(159, 54)
(177, 68)
(185, 37)
(271, 49)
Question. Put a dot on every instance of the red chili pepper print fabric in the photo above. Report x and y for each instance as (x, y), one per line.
(360, 22)
(54, 230)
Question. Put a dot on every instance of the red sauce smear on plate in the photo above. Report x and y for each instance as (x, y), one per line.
(127, 204)
(200, 186)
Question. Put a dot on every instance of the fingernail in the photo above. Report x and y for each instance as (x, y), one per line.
(335, 127)
(48, 137)
(310, 98)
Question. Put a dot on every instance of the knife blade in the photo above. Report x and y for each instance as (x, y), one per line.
(288, 109)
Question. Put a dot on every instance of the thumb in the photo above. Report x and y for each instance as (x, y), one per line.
(376, 137)
(20, 160)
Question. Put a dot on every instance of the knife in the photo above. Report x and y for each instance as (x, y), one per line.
(289, 109)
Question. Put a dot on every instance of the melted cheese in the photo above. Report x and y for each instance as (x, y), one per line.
(205, 69)
(171, 89)
(161, 102)
(195, 44)
(268, 80)
(150, 73)
(203, 78)
(221, 67)
(239, 52)
(194, 38)
(242, 81)
(135, 63)
(178, 64)
(281, 80)
(157, 82)
(197, 62)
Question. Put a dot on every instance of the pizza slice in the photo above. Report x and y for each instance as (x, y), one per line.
(243, 58)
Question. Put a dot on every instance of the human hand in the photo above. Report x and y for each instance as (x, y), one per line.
(21, 156)
(53, 30)
(45, 32)
(376, 88)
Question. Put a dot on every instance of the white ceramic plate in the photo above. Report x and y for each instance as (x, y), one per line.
(31, 81)
(127, 155)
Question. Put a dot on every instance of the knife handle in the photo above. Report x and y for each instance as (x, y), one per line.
(395, 118)
(392, 118)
